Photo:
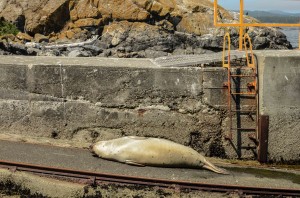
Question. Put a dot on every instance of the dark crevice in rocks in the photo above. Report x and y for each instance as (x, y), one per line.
(212, 146)
(55, 134)
(20, 23)
(216, 149)
(195, 141)
(213, 49)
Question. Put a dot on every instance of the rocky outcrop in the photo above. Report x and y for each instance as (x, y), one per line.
(39, 16)
(268, 38)
(189, 16)
(127, 28)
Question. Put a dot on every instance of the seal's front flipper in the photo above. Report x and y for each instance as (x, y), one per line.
(130, 162)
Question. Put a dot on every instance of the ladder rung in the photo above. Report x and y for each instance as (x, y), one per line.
(244, 111)
(240, 67)
(243, 93)
(250, 106)
(244, 129)
(242, 88)
(233, 68)
(233, 75)
(248, 147)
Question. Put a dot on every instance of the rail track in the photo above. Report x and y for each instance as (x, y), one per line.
(95, 178)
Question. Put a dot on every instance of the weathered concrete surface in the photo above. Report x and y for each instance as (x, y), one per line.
(280, 99)
(88, 99)
(99, 98)
(195, 60)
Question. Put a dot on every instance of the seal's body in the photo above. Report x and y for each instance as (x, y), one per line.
(144, 151)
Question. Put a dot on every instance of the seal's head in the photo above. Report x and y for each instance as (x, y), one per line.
(91, 149)
(101, 149)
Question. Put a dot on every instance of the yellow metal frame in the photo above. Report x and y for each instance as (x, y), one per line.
(242, 25)
(226, 37)
(227, 43)
(249, 64)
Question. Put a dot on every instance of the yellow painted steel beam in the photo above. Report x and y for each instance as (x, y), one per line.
(258, 25)
(215, 12)
(226, 38)
(249, 63)
(242, 25)
(247, 24)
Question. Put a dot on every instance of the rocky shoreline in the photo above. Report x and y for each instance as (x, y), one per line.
(145, 29)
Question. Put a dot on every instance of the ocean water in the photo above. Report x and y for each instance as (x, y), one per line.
(292, 35)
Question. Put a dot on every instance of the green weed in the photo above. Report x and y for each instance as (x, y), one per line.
(7, 28)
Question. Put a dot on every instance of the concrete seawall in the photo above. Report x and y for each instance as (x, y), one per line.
(88, 99)
(280, 100)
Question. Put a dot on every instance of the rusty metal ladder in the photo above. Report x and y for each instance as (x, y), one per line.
(236, 93)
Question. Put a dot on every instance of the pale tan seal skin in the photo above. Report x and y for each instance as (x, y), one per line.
(144, 151)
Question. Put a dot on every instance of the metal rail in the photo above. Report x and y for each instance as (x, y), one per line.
(98, 178)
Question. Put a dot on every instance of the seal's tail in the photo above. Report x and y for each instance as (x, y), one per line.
(215, 169)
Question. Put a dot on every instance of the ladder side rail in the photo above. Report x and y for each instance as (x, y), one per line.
(227, 42)
(253, 64)
(249, 63)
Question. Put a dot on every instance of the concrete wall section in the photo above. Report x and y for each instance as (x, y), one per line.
(280, 100)
(87, 99)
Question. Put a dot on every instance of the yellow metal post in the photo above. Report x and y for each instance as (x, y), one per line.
(241, 27)
(258, 25)
(228, 41)
(249, 63)
(215, 12)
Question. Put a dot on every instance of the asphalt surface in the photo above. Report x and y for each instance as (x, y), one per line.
(81, 159)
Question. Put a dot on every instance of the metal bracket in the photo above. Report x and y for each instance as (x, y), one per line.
(251, 86)
(225, 84)
(254, 139)
(13, 169)
(263, 135)
(91, 181)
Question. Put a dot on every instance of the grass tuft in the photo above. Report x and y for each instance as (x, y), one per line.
(7, 28)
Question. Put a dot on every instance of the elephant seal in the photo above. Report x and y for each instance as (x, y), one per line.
(143, 151)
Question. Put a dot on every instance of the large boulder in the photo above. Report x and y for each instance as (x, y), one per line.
(38, 16)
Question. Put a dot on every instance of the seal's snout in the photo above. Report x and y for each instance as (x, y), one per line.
(91, 148)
